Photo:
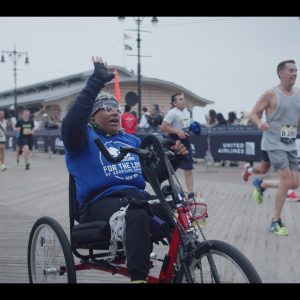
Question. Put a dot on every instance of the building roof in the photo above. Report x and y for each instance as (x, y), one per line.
(58, 88)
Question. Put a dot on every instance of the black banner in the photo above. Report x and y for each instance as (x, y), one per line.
(236, 143)
(44, 140)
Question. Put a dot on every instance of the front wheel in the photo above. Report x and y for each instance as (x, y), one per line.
(50, 258)
(219, 262)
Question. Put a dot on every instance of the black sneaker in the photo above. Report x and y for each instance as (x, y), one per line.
(27, 167)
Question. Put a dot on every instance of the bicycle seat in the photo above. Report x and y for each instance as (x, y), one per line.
(91, 235)
(96, 234)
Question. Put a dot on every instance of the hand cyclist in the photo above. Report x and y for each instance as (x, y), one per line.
(102, 188)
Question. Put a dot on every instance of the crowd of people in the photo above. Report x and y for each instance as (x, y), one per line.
(24, 127)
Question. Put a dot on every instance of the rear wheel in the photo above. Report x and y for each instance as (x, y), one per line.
(50, 258)
(219, 262)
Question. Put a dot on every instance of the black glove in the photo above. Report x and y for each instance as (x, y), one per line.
(101, 72)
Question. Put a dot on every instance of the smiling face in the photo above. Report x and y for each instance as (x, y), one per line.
(108, 121)
(288, 74)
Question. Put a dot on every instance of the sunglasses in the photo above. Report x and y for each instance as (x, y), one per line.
(109, 109)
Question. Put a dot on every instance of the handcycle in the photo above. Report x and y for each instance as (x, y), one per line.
(189, 256)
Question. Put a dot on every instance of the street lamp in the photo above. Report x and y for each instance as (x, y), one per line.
(139, 21)
(15, 56)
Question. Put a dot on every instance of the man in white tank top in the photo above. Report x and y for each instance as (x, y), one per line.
(281, 105)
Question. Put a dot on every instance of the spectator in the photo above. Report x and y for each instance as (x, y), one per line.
(155, 118)
(212, 118)
(128, 121)
(221, 120)
(232, 119)
(245, 118)
(144, 125)
(3, 127)
(53, 123)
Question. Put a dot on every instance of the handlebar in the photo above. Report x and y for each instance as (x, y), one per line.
(142, 153)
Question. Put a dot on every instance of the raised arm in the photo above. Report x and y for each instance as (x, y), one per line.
(37, 114)
(74, 124)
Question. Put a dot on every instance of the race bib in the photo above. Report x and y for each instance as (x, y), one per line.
(288, 134)
(186, 124)
(26, 131)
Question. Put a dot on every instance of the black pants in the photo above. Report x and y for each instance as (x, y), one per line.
(138, 242)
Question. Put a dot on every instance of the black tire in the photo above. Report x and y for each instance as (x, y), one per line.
(49, 257)
(231, 266)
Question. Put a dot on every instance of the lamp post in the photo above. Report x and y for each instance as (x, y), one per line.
(139, 21)
(15, 56)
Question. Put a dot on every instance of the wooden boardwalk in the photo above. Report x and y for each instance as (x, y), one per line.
(233, 217)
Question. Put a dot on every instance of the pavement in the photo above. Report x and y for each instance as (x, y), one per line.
(26, 195)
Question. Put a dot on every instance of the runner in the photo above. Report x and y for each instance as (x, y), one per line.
(281, 105)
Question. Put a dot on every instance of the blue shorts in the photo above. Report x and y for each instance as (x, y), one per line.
(187, 162)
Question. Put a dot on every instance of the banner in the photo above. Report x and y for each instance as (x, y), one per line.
(236, 143)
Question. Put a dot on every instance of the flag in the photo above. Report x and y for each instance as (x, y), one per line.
(126, 36)
(117, 87)
(127, 47)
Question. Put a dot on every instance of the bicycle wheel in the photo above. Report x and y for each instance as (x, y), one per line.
(50, 258)
(219, 262)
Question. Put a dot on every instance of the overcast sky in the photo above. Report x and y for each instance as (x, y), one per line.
(229, 60)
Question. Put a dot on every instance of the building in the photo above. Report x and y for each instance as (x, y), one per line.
(59, 93)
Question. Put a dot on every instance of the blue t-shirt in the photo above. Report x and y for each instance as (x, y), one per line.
(92, 172)
(94, 176)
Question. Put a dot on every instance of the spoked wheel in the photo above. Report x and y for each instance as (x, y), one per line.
(50, 258)
(219, 262)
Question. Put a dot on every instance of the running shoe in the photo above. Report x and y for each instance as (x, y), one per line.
(27, 167)
(246, 173)
(293, 195)
(3, 168)
(278, 228)
(257, 194)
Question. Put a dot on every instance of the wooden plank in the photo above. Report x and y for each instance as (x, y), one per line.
(233, 217)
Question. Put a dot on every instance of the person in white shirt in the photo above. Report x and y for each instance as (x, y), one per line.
(144, 124)
(3, 126)
(176, 124)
